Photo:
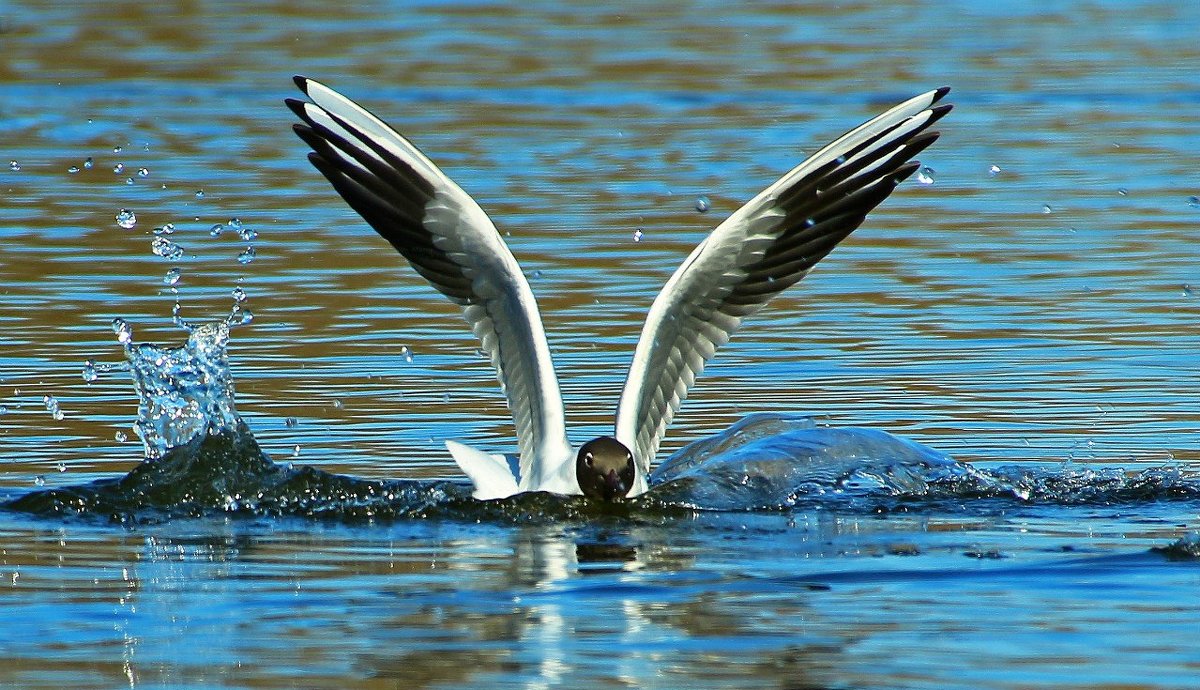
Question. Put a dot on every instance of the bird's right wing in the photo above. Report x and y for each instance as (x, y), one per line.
(451, 242)
(764, 247)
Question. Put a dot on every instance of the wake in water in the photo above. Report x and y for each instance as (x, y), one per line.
(201, 458)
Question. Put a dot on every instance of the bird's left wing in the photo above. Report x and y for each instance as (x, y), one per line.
(763, 248)
(453, 244)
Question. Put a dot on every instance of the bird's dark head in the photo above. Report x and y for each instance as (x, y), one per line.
(605, 469)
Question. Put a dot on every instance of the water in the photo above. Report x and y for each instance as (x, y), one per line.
(961, 316)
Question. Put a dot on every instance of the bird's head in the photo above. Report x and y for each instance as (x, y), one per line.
(605, 469)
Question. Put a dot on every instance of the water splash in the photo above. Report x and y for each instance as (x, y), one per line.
(925, 175)
(167, 249)
(52, 406)
(123, 330)
(183, 392)
(126, 219)
(703, 204)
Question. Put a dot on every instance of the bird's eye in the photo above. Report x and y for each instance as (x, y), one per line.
(587, 459)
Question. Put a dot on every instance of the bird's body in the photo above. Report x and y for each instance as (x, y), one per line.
(767, 245)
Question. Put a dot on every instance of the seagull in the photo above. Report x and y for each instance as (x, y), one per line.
(763, 248)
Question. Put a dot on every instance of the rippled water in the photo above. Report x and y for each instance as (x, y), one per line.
(1034, 306)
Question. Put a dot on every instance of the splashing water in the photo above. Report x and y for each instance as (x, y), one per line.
(126, 219)
(183, 392)
(53, 407)
(167, 249)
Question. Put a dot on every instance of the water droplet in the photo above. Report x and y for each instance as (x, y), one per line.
(89, 371)
(234, 224)
(925, 175)
(1047, 209)
(128, 180)
(52, 406)
(702, 204)
(165, 248)
(126, 219)
(143, 172)
(296, 451)
(239, 295)
(123, 330)
(73, 169)
(1123, 192)
(172, 275)
(167, 229)
(119, 168)
(290, 422)
(1188, 290)
(637, 235)
(247, 256)
(239, 316)
(61, 467)
(3, 409)
(199, 193)
(88, 163)
(121, 436)
(39, 480)
(993, 170)
(1194, 201)
(406, 354)
(14, 166)
(216, 230)
(116, 149)
(337, 404)
(535, 274)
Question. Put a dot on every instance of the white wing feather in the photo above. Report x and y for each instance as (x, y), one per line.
(450, 241)
(764, 247)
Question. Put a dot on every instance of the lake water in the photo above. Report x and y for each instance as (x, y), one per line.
(1035, 308)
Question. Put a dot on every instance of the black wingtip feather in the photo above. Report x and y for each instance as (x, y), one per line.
(940, 93)
(301, 82)
(905, 170)
(296, 106)
(938, 112)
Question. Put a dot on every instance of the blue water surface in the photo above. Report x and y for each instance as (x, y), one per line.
(1031, 312)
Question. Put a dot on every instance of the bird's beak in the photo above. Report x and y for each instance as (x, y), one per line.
(614, 485)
